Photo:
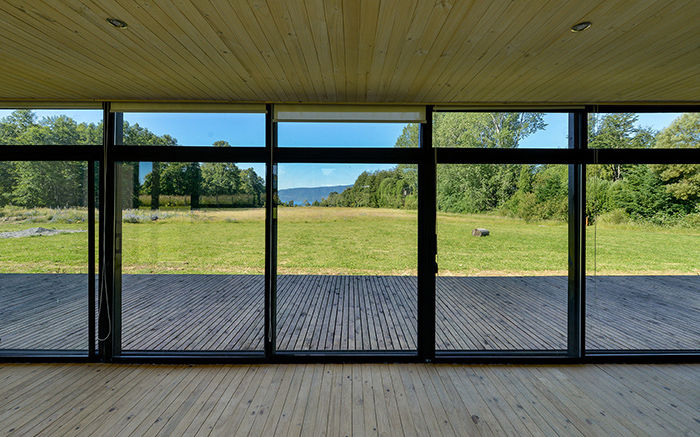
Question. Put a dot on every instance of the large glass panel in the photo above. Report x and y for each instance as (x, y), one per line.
(43, 255)
(501, 130)
(193, 129)
(502, 257)
(347, 257)
(305, 134)
(643, 256)
(50, 127)
(193, 256)
(667, 130)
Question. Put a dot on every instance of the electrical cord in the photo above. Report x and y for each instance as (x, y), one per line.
(103, 298)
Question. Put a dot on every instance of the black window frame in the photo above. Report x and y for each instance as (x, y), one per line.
(577, 156)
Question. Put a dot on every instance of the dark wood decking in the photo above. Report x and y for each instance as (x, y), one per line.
(220, 312)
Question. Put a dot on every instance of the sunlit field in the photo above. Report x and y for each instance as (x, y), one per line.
(349, 241)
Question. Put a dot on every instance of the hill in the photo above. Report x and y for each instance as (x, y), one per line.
(310, 194)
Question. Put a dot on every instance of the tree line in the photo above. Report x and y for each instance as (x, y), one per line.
(660, 193)
(59, 184)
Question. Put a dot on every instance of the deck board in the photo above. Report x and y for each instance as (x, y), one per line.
(344, 313)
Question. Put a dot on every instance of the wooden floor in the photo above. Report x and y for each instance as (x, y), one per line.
(220, 312)
(344, 400)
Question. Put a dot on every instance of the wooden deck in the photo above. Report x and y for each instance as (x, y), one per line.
(344, 400)
(220, 312)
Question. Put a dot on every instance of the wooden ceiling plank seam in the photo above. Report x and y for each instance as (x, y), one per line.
(244, 20)
(29, 82)
(199, 43)
(291, 22)
(152, 47)
(307, 43)
(505, 33)
(506, 68)
(351, 23)
(153, 53)
(232, 34)
(626, 81)
(596, 47)
(586, 50)
(157, 44)
(334, 25)
(580, 47)
(262, 18)
(398, 30)
(40, 75)
(178, 39)
(649, 53)
(416, 28)
(369, 21)
(288, 40)
(447, 32)
(103, 41)
(381, 43)
(477, 31)
(316, 21)
(419, 53)
(27, 38)
(239, 71)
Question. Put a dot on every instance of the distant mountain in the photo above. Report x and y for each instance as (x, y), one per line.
(310, 194)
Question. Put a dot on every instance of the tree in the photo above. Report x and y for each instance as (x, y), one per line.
(681, 181)
(49, 184)
(220, 177)
(253, 184)
(617, 131)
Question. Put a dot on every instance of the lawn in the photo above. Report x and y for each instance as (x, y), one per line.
(345, 241)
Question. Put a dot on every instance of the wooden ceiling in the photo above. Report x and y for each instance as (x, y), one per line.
(404, 51)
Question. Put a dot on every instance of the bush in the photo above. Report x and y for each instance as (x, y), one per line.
(614, 217)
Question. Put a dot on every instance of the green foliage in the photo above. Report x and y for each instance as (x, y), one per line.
(484, 129)
(381, 189)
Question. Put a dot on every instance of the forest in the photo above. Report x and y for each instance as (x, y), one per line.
(662, 194)
(64, 183)
(658, 193)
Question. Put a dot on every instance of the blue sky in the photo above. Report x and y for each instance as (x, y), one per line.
(249, 130)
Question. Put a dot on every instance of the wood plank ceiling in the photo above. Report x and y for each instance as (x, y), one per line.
(405, 51)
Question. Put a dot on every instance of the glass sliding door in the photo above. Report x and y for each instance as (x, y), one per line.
(192, 258)
(45, 230)
(347, 257)
(502, 233)
(502, 256)
(44, 255)
(643, 236)
(192, 267)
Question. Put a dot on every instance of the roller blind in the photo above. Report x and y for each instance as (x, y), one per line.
(349, 113)
(186, 107)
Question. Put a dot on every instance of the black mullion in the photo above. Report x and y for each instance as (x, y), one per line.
(270, 236)
(578, 130)
(427, 243)
(50, 153)
(642, 156)
(507, 156)
(189, 154)
(107, 205)
(91, 258)
(349, 155)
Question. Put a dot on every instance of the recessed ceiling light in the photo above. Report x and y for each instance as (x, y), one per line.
(580, 27)
(116, 22)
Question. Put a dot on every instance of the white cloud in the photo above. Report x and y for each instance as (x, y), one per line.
(327, 171)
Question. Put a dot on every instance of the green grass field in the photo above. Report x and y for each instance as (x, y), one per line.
(347, 241)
